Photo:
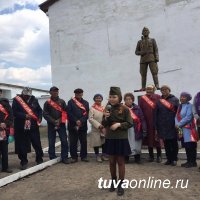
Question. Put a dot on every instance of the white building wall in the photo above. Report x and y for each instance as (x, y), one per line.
(93, 44)
(11, 91)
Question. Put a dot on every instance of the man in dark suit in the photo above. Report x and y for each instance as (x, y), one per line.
(27, 118)
(55, 114)
(78, 110)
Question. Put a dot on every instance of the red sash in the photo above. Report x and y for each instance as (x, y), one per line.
(27, 109)
(133, 115)
(3, 110)
(167, 104)
(149, 102)
(191, 126)
(11, 131)
(80, 105)
(136, 119)
(97, 107)
(57, 107)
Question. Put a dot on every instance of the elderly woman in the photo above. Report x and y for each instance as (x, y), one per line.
(166, 109)
(97, 139)
(185, 123)
(135, 134)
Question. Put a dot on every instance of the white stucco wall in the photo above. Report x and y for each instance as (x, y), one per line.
(93, 44)
(11, 91)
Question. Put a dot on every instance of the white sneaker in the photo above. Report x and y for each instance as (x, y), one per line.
(99, 159)
(104, 158)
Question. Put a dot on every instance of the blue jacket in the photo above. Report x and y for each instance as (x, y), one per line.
(186, 118)
(165, 118)
(75, 113)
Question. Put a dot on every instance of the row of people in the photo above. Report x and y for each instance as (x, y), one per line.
(168, 118)
(25, 116)
(164, 118)
(153, 118)
(156, 120)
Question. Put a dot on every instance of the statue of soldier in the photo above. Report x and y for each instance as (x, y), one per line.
(148, 50)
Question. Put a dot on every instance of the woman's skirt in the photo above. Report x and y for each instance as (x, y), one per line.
(118, 147)
(135, 145)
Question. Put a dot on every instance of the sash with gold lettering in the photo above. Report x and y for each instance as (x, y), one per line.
(149, 102)
(3, 110)
(97, 107)
(136, 119)
(57, 107)
(27, 109)
(80, 105)
(167, 104)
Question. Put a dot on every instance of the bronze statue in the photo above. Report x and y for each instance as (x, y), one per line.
(148, 50)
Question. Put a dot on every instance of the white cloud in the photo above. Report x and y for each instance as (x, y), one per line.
(10, 3)
(40, 78)
(24, 45)
(25, 37)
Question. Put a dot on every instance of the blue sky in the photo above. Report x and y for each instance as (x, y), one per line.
(25, 49)
(16, 7)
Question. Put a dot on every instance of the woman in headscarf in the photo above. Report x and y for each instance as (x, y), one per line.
(185, 124)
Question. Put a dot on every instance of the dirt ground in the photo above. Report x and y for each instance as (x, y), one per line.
(80, 181)
(14, 162)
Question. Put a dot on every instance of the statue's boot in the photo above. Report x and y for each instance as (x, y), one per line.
(156, 83)
(144, 80)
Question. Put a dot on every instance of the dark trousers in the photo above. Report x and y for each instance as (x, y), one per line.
(4, 154)
(34, 136)
(96, 149)
(74, 136)
(52, 139)
(171, 149)
(191, 151)
(151, 154)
